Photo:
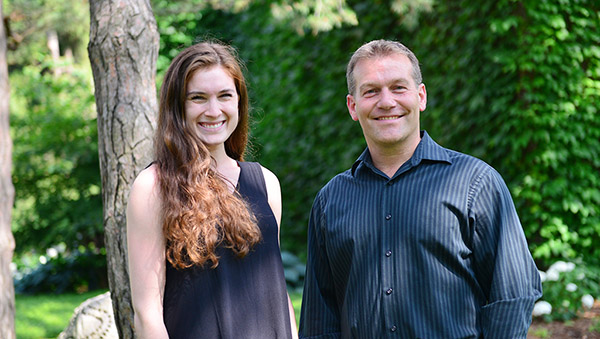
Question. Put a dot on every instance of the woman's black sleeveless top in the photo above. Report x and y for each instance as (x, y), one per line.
(240, 298)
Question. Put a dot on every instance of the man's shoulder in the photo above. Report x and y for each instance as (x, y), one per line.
(480, 172)
(338, 182)
(467, 162)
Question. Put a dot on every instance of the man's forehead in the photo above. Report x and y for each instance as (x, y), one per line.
(389, 68)
(391, 58)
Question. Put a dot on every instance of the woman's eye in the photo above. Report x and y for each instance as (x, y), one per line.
(196, 98)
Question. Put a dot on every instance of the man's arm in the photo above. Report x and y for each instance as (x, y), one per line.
(503, 264)
(320, 312)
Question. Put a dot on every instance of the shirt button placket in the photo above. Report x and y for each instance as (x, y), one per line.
(387, 264)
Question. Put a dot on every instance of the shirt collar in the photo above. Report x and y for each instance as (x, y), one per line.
(427, 149)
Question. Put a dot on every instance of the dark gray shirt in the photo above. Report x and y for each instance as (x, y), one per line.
(436, 251)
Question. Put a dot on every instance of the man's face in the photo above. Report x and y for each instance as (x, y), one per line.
(387, 102)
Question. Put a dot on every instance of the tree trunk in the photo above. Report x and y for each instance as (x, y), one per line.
(123, 50)
(7, 192)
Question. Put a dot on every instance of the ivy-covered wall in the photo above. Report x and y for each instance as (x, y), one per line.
(515, 83)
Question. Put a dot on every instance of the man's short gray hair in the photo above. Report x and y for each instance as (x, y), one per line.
(376, 49)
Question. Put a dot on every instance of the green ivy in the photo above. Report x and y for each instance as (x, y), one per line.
(511, 82)
(516, 83)
(302, 130)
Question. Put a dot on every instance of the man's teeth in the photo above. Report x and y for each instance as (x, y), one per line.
(388, 118)
(212, 125)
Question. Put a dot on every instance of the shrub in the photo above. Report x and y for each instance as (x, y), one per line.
(80, 271)
(569, 288)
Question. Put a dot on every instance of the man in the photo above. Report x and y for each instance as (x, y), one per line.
(415, 240)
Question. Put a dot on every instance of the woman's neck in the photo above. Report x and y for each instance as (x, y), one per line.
(226, 166)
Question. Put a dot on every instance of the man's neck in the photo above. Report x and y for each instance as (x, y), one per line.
(389, 160)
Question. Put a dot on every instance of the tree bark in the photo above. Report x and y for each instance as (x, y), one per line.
(7, 193)
(123, 50)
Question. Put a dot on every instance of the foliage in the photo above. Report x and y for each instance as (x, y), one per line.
(512, 82)
(315, 15)
(55, 157)
(29, 22)
(516, 84)
(294, 271)
(565, 284)
(523, 75)
(302, 130)
(45, 316)
(81, 270)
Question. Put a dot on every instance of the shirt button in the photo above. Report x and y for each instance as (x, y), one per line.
(393, 328)
(388, 253)
(388, 217)
(389, 291)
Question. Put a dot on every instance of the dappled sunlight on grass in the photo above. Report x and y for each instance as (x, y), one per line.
(45, 316)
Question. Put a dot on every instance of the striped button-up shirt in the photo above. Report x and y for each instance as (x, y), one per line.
(436, 251)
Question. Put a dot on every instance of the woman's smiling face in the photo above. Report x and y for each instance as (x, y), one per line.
(211, 106)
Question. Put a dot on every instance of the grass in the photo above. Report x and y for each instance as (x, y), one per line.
(46, 315)
(296, 302)
(542, 333)
(595, 327)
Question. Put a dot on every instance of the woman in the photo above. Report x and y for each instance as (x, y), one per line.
(202, 225)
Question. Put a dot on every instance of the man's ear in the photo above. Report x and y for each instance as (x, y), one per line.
(422, 97)
(351, 107)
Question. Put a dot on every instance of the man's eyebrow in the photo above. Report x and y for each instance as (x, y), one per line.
(374, 84)
(367, 84)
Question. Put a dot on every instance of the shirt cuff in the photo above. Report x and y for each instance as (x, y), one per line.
(507, 318)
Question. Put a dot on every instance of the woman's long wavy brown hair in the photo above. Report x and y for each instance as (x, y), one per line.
(199, 212)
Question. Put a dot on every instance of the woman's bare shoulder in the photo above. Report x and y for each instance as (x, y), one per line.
(144, 197)
(146, 179)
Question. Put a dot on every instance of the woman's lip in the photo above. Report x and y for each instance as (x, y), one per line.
(211, 125)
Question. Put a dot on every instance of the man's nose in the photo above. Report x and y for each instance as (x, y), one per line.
(386, 100)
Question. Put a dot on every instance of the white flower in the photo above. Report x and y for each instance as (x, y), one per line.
(561, 266)
(566, 303)
(541, 307)
(581, 276)
(43, 260)
(552, 275)
(571, 287)
(542, 276)
(587, 301)
(52, 252)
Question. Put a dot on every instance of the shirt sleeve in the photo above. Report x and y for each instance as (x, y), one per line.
(504, 267)
(320, 316)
